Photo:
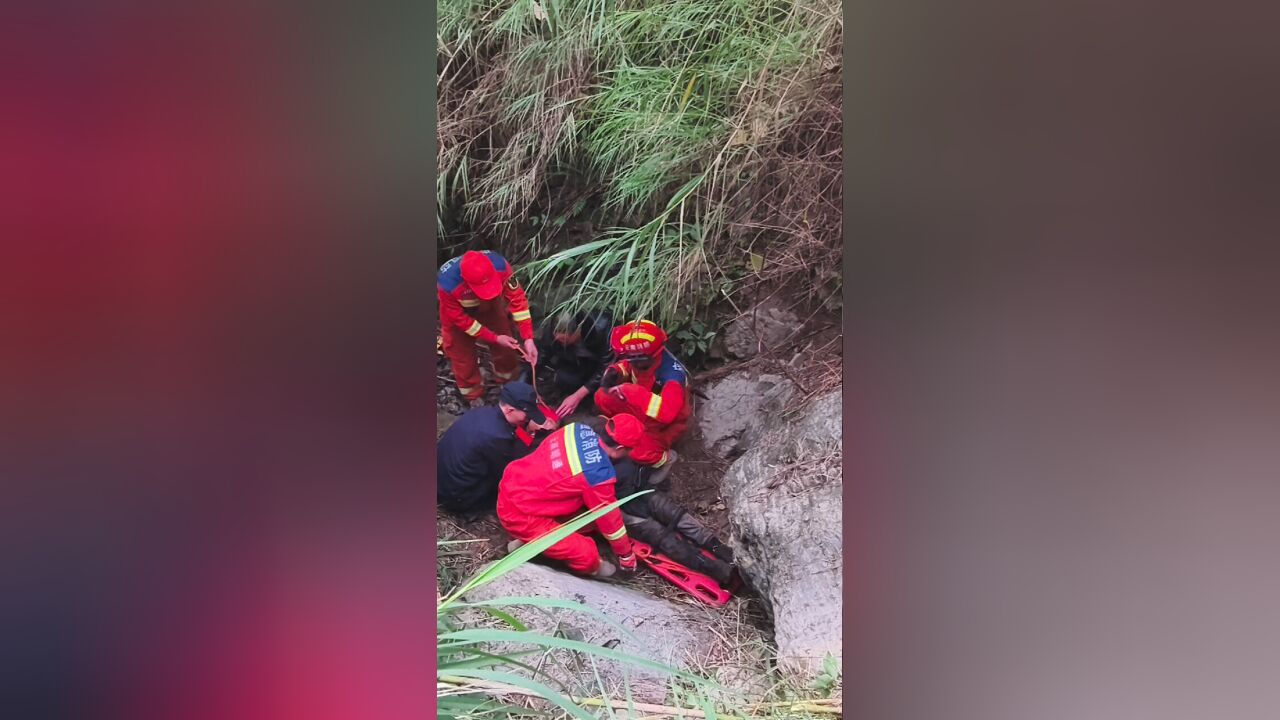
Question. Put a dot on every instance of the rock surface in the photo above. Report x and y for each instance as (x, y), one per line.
(762, 327)
(785, 510)
(738, 409)
(443, 421)
(675, 634)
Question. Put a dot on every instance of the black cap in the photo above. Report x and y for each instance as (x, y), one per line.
(520, 395)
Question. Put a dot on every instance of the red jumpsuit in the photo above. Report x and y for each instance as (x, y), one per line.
(659, 399)
(465, 318)
(568, 474)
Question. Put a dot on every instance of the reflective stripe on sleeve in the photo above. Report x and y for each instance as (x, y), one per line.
(521, 315)
(622, 531)
(571, 448)
(655, 402)
(475, 328)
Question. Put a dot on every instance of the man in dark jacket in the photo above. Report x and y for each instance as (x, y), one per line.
(660, 521)
(475, 450)
(573, 352)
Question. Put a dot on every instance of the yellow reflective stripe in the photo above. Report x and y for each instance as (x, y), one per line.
(655, 402)
(470, 391)
(571, 448)
(469, 303)
(475, 328)
(637, 334)
(622, 531)
(505, 376)
(522, 315)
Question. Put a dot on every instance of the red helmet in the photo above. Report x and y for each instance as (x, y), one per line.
(624, 430)
(641, 338)
(479, 275)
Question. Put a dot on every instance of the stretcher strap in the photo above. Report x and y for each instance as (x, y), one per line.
(700, 586)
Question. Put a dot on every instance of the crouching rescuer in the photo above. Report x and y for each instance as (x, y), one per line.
(571, 471)
(650, 384)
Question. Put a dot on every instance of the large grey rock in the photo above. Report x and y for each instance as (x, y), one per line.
(784, 499)
(675, 634)
(737, 410)
(762, 327)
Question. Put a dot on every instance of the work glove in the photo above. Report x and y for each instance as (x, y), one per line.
(627, 563)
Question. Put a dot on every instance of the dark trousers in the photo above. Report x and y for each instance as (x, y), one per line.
(469, 503)
(660, 521)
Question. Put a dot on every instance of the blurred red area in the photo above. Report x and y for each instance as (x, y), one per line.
(213, 393)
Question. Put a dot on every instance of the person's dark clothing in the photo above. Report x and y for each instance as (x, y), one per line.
(562, 369)
(470, 458)
(660, 521)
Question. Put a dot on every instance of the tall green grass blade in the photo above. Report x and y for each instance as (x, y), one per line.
(543, 691)
(551, 603)
(507, 636)
(505, 617)
(529, 550)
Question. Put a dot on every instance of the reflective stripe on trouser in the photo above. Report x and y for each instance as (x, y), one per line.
(460, 348)
(652, 449)
(502, 379)
(578, 551)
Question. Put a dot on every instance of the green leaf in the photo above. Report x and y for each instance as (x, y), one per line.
(506, 618)
(757, 262)
(830, 666)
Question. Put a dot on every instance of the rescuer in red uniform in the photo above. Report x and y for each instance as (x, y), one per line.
(476, 292)
(648, 383)
(571, 471)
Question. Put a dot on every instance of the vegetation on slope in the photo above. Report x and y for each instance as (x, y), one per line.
(699, 140)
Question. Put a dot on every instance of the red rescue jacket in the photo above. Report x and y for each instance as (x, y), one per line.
(567, 474)
(660, 396)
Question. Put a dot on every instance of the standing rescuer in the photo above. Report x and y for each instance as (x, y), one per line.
(571, 471)
(476, 292)
(650, 384)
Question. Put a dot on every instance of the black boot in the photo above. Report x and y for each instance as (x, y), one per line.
(719, 571)
(722, 551)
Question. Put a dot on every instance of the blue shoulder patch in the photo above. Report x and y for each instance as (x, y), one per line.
(499, 263)
(596, 467)
(671, 370)
(450, 276)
